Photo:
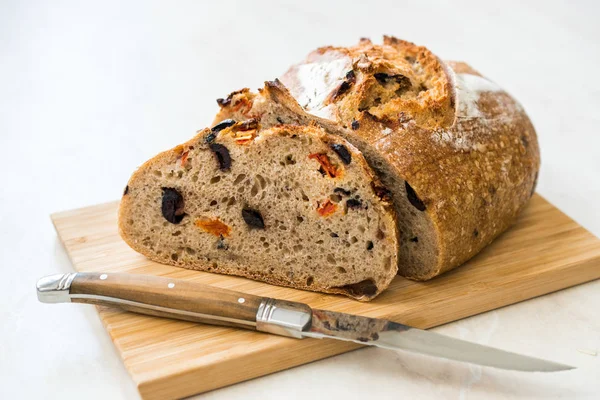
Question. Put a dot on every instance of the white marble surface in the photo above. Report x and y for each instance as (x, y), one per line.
(89, 90)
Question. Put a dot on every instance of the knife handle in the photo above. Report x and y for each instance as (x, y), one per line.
(177, 299)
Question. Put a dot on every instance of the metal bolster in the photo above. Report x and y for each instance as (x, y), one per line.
(55, 288)
(285, 318)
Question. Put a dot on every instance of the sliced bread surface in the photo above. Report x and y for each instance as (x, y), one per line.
(288, 205)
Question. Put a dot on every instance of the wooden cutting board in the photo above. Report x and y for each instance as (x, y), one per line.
(546, 251)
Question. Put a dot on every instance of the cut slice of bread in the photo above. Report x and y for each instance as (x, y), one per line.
(288, 205)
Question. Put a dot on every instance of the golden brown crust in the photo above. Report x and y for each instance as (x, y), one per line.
(428, 100)
(465, 146)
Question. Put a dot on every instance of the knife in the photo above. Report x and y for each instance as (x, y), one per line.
(180, 299)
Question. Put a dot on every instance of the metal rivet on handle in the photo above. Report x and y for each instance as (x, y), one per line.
(171, 285)
(241, 300)
(103, 277)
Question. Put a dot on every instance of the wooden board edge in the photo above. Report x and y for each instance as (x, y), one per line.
(259, 363)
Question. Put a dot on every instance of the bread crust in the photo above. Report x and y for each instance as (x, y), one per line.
(465, 146)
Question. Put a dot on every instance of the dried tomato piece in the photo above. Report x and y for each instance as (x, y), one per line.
(326, 208)
(184, 158)
(342, 152)
(214, 226)
(326, 164)
(354, 204)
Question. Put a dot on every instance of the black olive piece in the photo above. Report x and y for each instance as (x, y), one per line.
(126, 190)
(384, 78)
(172, 205)
(343, 152)
(342, 191)
(280, 120)
(344, 87)
(224, 102)
(414, 239)
(381, 77)
(413, 198)
(322, 171)
(404, 82)
(210, 137)
(353, 203)
(334, 235)
(222, 125)
(222, 155)
(252, 123)
(369, 245)
(253, 218)
(355, 124)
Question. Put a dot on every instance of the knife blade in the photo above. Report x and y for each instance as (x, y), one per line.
(180, 299)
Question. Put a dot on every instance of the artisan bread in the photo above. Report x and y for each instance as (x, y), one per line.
(458, 153)
(289, 205)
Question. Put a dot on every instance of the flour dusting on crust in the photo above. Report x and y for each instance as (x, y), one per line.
(322, 77)
(468, 89)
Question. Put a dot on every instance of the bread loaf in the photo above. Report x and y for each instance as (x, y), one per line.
(285, 204)
(269, 193)
(459, 154)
